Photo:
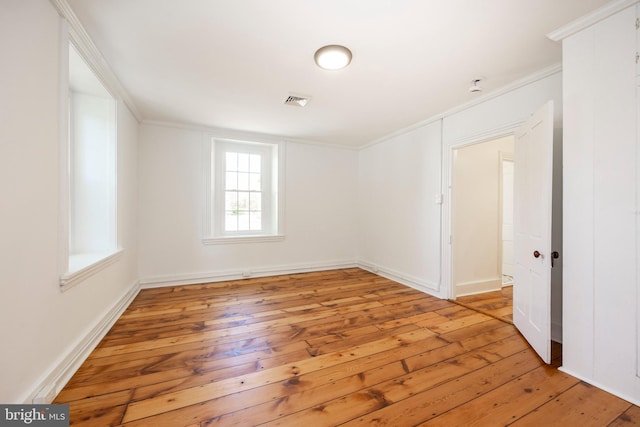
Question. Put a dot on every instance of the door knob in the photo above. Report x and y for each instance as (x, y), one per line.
(537, 254)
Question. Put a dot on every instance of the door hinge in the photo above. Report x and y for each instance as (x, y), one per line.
(637, 57)
(637, 23)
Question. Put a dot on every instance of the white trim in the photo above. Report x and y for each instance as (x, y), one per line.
(477, 287)
(95, 60)
(67, 365)
(223, 275)
(230, 240)
(447, 208)
(540, 75)
(63, 148)
(69, 280)
(212, 226)
(402, 278)
(226, 133)
(630, 399)
(269, 156)
(590, 19)
(488, 135)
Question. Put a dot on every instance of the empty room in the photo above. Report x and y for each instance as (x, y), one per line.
(325, 213)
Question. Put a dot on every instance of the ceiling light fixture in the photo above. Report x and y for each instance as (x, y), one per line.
(333, 57)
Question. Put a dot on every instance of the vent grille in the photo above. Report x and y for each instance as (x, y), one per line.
(298, 101)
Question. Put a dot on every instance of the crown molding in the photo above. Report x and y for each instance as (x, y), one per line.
(90, 52)
(242, 135)
(590, 19)
(532, 78)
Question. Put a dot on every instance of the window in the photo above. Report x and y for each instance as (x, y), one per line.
(244, 192)
(91, 166)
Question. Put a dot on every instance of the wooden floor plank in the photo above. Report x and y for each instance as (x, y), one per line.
(510, 401)
(174, 400)
(324, 348)
(583, 405)
(331, 378)
(629, 418)
(355, 404)
(449, 395)
(498, 304)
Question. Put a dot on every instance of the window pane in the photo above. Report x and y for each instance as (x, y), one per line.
(231, 201)
(231, 221)
(243, 200)
(231, 161)
(231, 181)
(255, 183)
(255, 201)
(243, 181)
(92, 174)
(243, 162)
(243, 221)
(255, 219)
(254, 163)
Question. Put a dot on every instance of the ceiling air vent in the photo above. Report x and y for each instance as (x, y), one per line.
(297, 100)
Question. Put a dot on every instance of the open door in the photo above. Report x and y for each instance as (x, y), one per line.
(533, 190)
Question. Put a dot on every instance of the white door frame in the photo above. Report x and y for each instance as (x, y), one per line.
(504, 157)
(447, 209)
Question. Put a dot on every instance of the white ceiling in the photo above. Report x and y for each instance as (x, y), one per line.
(231, 64)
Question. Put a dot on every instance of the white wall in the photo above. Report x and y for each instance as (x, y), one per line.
(319, 212)
(42, 328)
(398, 217)
(476, 217)
(601, 321)
(400, 225)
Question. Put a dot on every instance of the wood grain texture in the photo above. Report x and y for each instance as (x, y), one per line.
(342, 347)
(498, 304)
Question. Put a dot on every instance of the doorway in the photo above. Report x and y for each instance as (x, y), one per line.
(482, 226)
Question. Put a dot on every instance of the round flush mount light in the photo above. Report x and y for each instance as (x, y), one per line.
(332, 57)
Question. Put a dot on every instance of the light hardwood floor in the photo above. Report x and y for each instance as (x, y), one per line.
(342, 347)
(498, 304)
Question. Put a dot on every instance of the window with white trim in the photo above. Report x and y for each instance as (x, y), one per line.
(244, 187)
(91, 166)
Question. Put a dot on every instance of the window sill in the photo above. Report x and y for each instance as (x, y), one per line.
(83, 266)
(242, 239)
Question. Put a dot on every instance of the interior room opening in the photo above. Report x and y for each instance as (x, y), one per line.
(482, 222)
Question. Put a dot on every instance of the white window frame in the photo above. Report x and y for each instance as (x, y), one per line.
(78, 265)
(272, 154)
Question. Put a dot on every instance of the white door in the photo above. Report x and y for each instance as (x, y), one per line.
(533, 179)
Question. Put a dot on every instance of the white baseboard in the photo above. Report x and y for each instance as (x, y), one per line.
(477, 287)
(601, 386)
(416, 283)
(221, 276)
(47, 390)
